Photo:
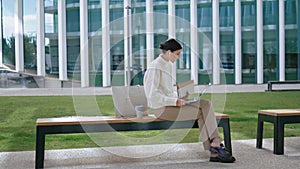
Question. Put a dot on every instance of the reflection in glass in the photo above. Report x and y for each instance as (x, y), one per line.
(29, 20)
(227, 55)
(248, 14)
(116, 18)
(183, 65)
(204, 41)
(139, 58)
(291, 41)
(270, 49)
(51, 40)
(8, 40)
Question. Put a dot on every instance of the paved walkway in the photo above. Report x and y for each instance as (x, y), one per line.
(107, 90)
(189, 156)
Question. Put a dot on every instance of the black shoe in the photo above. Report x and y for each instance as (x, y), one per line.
(223, 155)
(222, 160)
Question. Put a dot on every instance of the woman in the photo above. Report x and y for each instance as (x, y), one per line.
(162, 97)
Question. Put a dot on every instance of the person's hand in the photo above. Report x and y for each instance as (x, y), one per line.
(186, 95)
(181, 102)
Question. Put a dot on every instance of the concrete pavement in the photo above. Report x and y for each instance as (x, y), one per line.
(230, 88)
(107, 90)
(187, 155)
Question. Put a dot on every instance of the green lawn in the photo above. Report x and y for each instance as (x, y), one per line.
(18, 116)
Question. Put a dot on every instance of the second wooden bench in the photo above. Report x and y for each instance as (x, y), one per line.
(279, 117)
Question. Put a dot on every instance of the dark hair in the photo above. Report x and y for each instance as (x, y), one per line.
(170, 44)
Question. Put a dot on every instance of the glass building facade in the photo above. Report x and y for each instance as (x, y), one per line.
(224, 41)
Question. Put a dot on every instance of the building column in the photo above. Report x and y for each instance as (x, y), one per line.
(149, 32)
(281, 41)
(1, 33)
(19, 49)
(207, 52)
(216, 41)
(84, 46)
(194, 42)
(238, 42)
(171, 19)
(260, 42)
(40, 38)
(127, 42)
(172, 30)
(106, 80)
(62, 40)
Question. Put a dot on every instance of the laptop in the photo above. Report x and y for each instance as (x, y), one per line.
(195, 99)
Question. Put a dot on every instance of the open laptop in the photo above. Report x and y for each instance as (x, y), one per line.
(195, 99)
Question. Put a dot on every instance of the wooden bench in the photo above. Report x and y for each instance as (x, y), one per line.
(88, 124)
(279, 117)
(270, 83)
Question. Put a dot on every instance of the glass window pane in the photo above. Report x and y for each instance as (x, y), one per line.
(270, 46)
(248, 41)
(290, 12)
(227, 42)
(29, 20)
(205, 41)
(226, 14)
(72, 19)
(72, 1)
(160, 10)
(139, 59)
(94, 2)
(160, 16)
(269, 12)
(94, 43)
(182, 12)
(116, 13)
(204, 15)
(291, 41)
(248, 13)
(51, 40)
(8, 33)
(94, 18)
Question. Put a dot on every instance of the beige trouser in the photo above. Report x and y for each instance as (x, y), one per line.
(202, 111)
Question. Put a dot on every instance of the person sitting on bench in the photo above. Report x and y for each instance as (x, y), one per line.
(162, 97)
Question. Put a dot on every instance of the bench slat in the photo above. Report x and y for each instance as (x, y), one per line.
(281, 112)
(270, 83)
(101, 120)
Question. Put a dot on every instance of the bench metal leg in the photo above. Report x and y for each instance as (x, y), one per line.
(269, 86)
(224, 123)
(260, 129)
(278, 137)
(40, 148)
(227, 137)
(278, 123)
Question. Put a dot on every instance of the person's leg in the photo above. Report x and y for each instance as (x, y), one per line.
(201, 111)
(210, 126)
(209, 131)
(203, 132)
(173, 113)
